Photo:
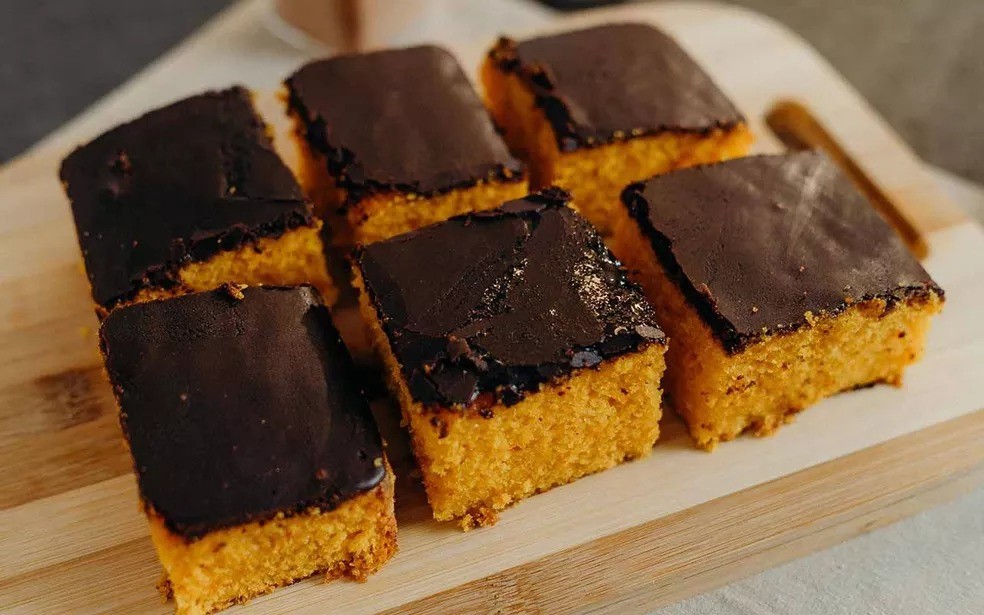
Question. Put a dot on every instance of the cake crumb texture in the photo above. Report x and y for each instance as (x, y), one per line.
(387, 215)
(595, 176)
(232, 565)
(476, 461)
(757, 390)
(292, 259)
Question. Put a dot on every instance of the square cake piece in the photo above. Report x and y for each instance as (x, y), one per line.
(778, 285)
(593, 110)
(521, 355)
(395, 140)
(186, 198)
(257, 458)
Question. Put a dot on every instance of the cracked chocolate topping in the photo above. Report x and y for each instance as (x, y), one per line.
(239, 404)
(606, 83)
(756, 243)
(398, 120)
(179, 184)
(488, 306)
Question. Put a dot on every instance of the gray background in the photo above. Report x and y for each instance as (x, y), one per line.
(920, 62)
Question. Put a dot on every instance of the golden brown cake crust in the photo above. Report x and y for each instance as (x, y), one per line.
(222, 568)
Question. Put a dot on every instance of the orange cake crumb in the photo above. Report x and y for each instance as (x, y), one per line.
(230, 566)
(778, 286)
(296, 257)
(525, 361)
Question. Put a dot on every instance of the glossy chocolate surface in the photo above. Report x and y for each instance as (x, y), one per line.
(238, 406)
(488, 306)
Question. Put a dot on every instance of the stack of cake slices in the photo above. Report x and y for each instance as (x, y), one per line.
(485, 237)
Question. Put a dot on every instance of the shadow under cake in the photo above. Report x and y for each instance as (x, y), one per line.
(257, 459)
(521, 355)
(778, 285)
(395, 140)
(186, 198)
(593, 110)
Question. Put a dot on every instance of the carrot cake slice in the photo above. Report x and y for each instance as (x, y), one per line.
(257, 459)
(593, 110)
(521, 355)
(395, 140)
(186, 198)
(778, 285)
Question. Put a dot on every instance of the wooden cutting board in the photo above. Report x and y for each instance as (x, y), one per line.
(644, 534)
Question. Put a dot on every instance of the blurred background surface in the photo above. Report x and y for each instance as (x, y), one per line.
(919, 62)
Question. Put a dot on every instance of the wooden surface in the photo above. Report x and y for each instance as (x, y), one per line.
(682, 521)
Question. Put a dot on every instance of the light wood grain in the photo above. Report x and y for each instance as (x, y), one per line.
(72, 540)
(726, 538)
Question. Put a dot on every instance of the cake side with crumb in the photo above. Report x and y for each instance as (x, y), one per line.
(186, 198)
(596, 109)
(257, 459)
(525, 361)
(778, 284)
(395, 140)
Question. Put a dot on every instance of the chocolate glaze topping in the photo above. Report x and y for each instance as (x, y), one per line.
(399, 120)
(609, 82)
(487, 306)
(756, 243)
(239, 404)
(179, 184)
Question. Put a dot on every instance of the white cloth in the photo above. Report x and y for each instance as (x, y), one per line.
(930, 564)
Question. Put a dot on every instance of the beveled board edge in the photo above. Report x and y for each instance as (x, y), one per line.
(700, 548)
